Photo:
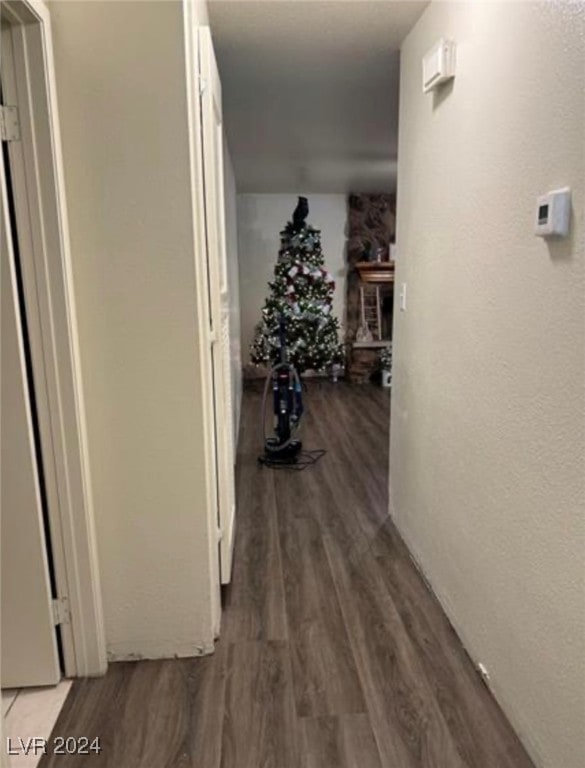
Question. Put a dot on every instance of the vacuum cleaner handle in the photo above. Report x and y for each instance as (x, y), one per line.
(282, 338)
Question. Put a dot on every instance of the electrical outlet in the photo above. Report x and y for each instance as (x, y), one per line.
(483, 672)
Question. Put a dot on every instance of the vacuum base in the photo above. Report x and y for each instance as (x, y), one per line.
(286, 455)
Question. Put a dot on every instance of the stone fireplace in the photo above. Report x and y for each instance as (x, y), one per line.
(370, 282)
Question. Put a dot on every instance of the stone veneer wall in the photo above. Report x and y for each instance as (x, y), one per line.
(371, 223)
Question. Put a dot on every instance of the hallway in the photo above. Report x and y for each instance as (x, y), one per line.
(333, 653)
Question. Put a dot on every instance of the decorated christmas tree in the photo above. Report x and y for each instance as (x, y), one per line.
(301, 293)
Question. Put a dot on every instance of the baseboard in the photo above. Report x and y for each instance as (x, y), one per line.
(157, 650)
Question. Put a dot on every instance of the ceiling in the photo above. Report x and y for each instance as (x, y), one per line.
(310, 91)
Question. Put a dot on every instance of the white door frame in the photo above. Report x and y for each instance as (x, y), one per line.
(37, 167)
(205, 332)
(213, 175)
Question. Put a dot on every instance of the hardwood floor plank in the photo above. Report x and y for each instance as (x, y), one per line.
(204, 684)
(324, 671)
(329, 491)
(151, 714)
(371, 448)
(345, 741)
(260, 725)
(254, 602)
(408, 725)
(358, 471)
(90, 709)
(153, 719)
(334, 486)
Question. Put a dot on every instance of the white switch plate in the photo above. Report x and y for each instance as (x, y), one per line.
(403, 297)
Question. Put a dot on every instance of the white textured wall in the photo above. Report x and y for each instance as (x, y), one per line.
(487, 446)
(260, 220)
(231, 225)
(120, 70)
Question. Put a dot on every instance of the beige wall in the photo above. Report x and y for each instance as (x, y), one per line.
(487, 444)
(260, 220)
(121, 84)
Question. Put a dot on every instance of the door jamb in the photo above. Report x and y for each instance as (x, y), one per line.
(205, 335)
(49, 297)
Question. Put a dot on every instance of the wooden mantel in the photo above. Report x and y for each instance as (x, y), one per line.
(375, 271)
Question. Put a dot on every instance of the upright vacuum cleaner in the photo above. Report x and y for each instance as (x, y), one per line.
(284, 450)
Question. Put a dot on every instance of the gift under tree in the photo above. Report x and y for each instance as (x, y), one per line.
(301, 293)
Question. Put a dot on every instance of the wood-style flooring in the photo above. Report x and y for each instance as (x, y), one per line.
(333, 652)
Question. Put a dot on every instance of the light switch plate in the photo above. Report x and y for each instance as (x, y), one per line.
(403, 297)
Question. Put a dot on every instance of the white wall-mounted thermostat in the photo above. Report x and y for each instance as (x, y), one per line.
(553, 212)
(439, 64)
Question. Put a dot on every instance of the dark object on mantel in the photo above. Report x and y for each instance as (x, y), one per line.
(375, 252)
(375, 271)
(300, 214)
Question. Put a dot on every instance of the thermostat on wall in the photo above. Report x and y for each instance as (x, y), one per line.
(552, 213)
(438, 64)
